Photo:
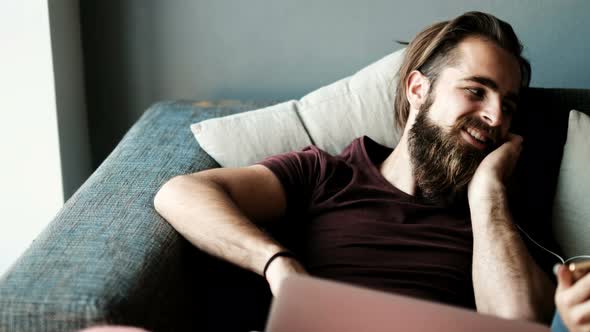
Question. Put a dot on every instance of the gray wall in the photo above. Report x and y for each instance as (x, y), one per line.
(66, 47)
(138, 52)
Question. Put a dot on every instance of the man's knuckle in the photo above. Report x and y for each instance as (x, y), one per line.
(560, 299)
(580, 316)
(585, 281)
(576, 317)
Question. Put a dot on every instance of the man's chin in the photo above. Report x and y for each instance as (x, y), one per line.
(438, 190)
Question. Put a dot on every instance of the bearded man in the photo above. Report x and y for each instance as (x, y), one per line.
(428, 219)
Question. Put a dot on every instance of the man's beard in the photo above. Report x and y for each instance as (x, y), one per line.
(442, 161)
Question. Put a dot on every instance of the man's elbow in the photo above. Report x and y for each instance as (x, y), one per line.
(166, 193)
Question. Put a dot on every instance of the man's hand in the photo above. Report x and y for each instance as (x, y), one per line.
(490, 177)
(506, 280)
(279, 269)
(573, 300)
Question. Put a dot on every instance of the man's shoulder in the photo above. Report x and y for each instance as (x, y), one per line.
(310, 155)
(364, 149)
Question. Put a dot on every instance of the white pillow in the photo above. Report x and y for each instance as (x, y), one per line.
(571, 208)
(334, 115)
(245, 138)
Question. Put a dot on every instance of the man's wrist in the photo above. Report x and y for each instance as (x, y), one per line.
(487, 196)
(491, 204)
(276, 256)
(279, 269)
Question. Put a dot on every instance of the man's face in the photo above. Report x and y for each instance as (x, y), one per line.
(466, 116)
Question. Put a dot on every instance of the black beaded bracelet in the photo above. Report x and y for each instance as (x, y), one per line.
(284, 253)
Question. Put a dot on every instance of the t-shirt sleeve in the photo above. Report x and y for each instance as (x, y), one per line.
(299, 172)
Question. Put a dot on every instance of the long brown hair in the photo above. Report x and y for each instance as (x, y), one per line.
(433, 49)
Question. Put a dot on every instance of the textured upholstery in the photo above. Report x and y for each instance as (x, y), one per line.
(108, 257)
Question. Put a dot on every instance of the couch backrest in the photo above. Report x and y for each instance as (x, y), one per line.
(543, 122)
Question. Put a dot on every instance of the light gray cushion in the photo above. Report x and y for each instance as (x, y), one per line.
(245, 138)
(334, 115)
(571, 219)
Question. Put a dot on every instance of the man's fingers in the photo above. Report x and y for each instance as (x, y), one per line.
(580, 291)
(515, 141)
(515, 138)
(580, 314)
(564, 278)
(564, 282)
(508, 153)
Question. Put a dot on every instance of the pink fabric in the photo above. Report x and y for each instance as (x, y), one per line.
(113, 328)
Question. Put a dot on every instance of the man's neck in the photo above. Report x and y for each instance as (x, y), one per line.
(397, 168)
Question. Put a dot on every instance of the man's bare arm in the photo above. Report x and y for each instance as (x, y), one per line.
(216, 210)
(506, 280)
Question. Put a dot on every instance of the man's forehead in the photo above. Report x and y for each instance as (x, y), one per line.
(486, 62)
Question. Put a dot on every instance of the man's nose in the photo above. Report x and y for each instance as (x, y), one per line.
(492, 113)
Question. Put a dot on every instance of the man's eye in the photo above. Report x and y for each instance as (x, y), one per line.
(476, 92)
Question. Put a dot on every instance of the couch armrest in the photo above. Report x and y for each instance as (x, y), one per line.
(108, 257)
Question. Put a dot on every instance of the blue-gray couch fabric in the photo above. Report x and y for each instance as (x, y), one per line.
(108, 257)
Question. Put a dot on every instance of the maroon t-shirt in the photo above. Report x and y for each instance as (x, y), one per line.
(355, 226)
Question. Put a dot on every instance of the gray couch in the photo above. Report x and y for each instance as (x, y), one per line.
(108, 257)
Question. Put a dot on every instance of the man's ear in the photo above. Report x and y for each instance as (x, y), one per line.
(417, 87)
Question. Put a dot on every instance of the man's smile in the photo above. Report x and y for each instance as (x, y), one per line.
(475, 137)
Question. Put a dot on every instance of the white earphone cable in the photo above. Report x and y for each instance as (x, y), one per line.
(535, 242)
(549, 251)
